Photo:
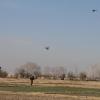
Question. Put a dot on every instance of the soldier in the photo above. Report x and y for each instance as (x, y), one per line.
(31, 79)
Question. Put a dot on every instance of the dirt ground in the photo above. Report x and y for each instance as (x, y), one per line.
(4, 95)
(44, 82)
(41, 96)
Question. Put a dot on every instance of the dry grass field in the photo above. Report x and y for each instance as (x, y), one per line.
(44, 82)
(20, 89)
(40, 96)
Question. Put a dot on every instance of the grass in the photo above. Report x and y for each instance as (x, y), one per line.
(51, 89)
(37, 97)
(19, 89)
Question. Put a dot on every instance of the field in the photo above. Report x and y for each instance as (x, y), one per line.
(20, 89)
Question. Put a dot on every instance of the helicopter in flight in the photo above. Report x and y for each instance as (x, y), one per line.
(47, 47)
(94, 10)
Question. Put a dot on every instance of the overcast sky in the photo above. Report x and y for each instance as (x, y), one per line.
(69, 27)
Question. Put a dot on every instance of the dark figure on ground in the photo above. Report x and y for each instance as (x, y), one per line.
(31, 79)
(62, 76)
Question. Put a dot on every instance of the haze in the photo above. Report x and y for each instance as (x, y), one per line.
(69, 27)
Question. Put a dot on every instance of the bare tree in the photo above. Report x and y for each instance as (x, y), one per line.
(3, 73)
(63, 76)
(55, 72)
(61, 72)
(83, 76)
(94, 72)
(71, 76)
(29, 69)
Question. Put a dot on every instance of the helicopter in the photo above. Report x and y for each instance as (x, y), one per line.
(94, 10)
(47, 47)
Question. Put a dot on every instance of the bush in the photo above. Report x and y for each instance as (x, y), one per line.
(63, 76)
(71, 76)
(83, 76)
(3, 74)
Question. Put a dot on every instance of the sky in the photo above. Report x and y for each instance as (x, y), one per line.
(68, 27)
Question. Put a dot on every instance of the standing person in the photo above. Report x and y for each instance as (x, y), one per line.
(31, 79)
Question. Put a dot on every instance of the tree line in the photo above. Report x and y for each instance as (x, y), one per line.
(32, 69)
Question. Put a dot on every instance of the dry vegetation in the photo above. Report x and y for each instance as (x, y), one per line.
(4, 95)
(41, 96)
(44, 82)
